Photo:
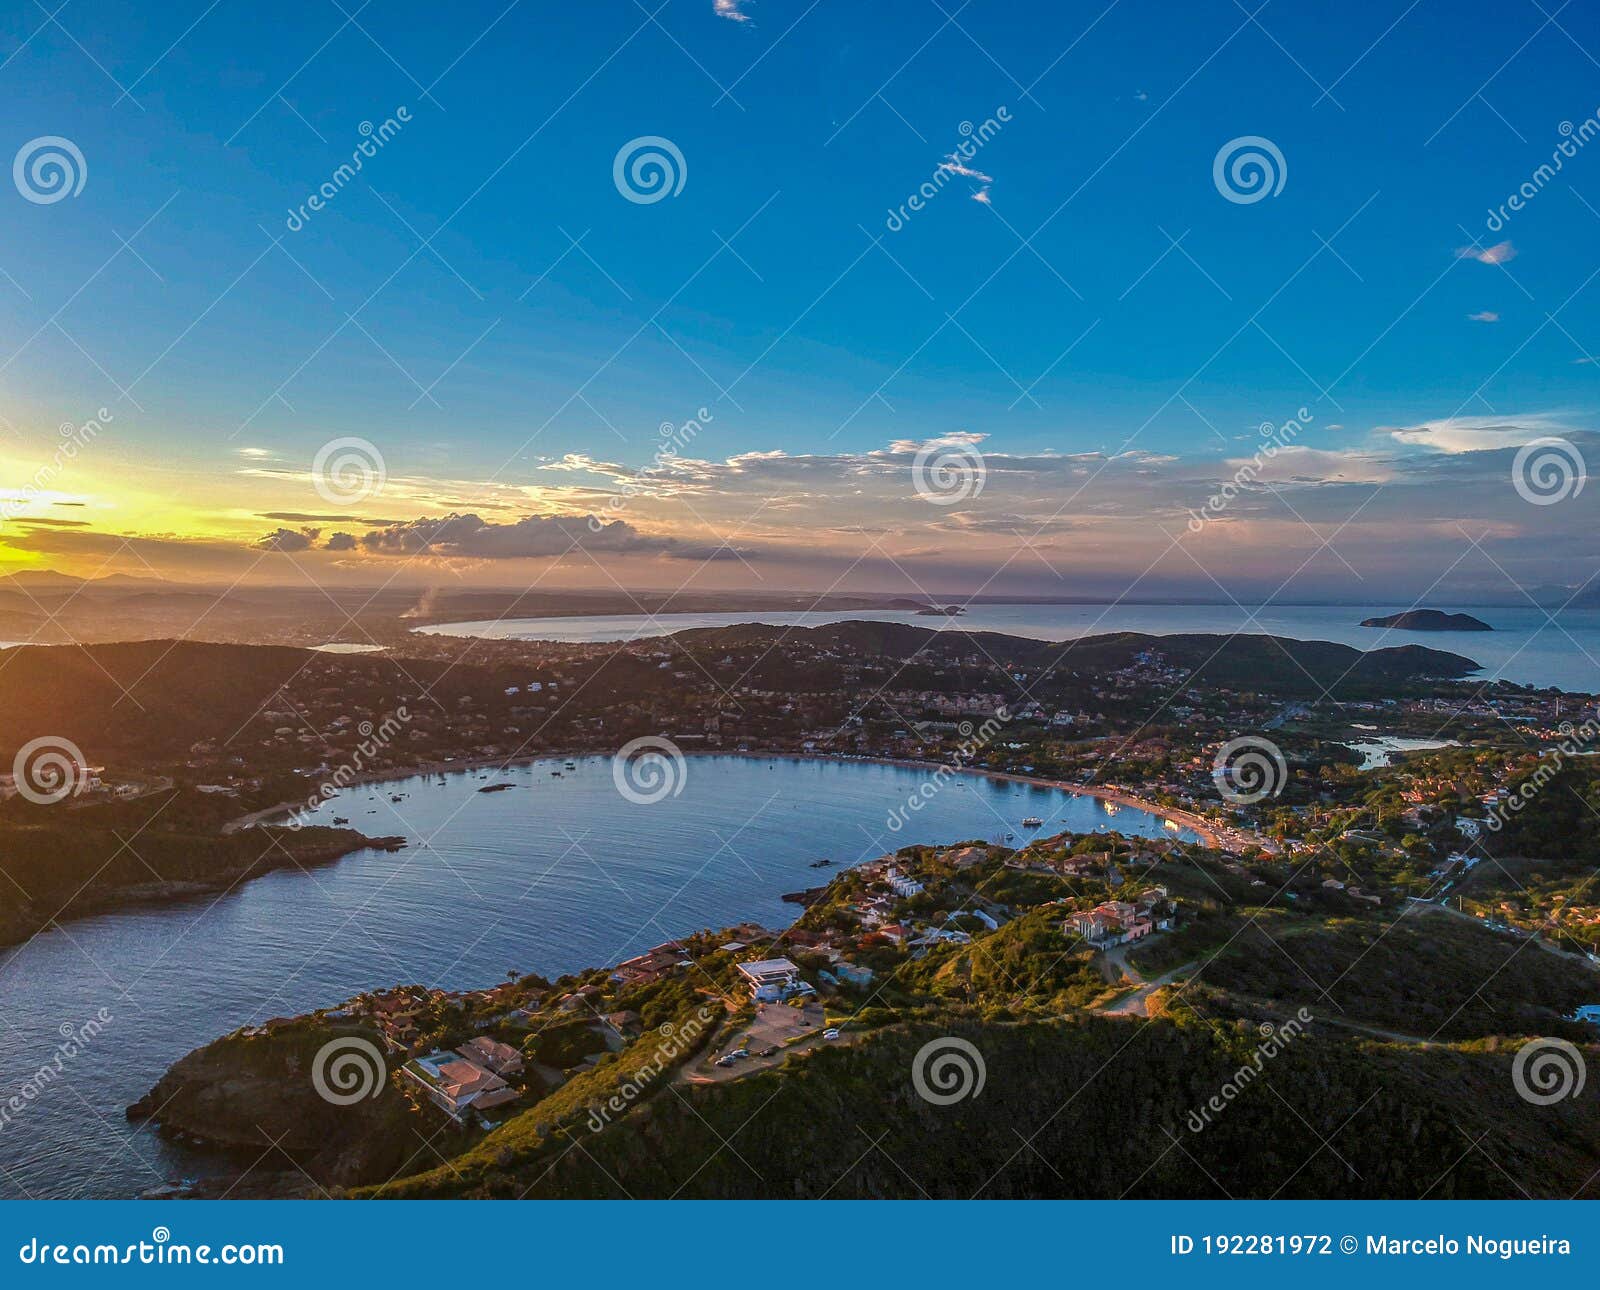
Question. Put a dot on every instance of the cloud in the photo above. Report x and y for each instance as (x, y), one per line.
(731, 10)
(1400, 496)
(1485, 315)
(288, 540)
(1479, 434)
(1499, 253)
(955, 166)
(533, 537)
(309, 517)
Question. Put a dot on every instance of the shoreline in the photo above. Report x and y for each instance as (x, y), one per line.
(1208, 831)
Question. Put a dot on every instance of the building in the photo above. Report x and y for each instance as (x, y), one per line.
(457, 1086)
(493, 1056)
(904, 885)
(1117, 922)
(772, 980)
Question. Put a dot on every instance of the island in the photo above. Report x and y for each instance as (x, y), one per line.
(1429, 620)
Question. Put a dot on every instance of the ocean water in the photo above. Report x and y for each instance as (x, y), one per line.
(550, 876)
(1527, 646)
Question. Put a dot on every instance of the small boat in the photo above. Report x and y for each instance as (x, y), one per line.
(572, 765)
(555, 774)
(1032, 822)
(495, 788)
(397, 798)
(339, 819)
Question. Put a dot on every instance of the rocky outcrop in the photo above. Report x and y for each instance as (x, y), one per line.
(245, 1093)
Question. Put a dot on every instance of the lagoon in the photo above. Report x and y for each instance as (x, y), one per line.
(554, 874)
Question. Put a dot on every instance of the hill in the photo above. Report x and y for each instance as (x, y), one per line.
(1080, 1107)
(1275, 663)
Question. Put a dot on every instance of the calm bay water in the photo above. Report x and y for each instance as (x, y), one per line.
(553, 875)
(1526, 646)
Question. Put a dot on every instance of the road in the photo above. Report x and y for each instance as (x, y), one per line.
(1427, 906)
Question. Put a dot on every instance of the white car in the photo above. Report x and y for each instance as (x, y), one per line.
(832, 1032)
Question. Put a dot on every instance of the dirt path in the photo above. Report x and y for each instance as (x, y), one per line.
(1137, 1003)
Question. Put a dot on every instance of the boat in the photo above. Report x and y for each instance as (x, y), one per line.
(572, 765)
(496, 788)
(1032, 822)
(339, 819)
(555, 774)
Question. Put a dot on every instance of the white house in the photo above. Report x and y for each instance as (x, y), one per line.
(772, 980)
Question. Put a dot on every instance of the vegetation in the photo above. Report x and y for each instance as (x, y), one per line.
(1060, 1114)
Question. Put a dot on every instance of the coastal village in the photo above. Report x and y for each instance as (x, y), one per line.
(1146, 732)
(1390, 808)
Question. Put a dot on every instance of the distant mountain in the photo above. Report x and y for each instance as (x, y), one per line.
(40, 580)
(1429, 620)
(1273, 664)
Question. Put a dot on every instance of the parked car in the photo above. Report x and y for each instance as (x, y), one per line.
(832, 1032)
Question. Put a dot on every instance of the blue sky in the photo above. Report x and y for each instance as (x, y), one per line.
(1055, 317)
